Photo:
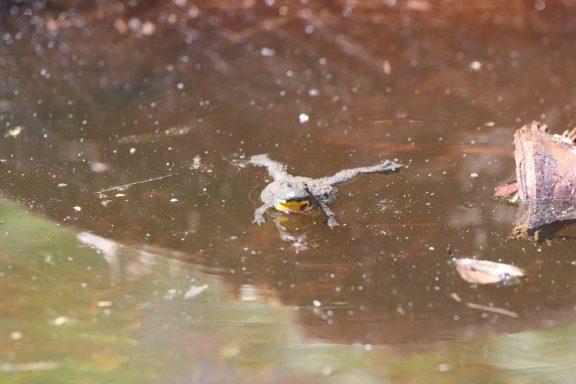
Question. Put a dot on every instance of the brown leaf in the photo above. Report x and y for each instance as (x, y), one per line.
(486, 272)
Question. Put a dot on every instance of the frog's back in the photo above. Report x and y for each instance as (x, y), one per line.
(286, 188)
(322, 191)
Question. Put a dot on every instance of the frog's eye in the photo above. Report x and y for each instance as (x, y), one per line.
(304, 206)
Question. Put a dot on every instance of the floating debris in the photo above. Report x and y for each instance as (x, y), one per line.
(63, 320)
(475, 65)
(267, 52)
(507, 191)
(29, 367)
(14, 132)
(486, 272)
(387, 67)
(123, 187)
(486, 308)
(195, 290)
(199, 165)
(155, 137)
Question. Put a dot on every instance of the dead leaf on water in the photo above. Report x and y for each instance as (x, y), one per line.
(486, 272)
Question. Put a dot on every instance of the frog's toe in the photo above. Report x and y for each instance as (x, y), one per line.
(331, 222)
(259, 220)
(390, 166)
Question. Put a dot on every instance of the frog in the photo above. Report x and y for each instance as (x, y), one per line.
(301, 195)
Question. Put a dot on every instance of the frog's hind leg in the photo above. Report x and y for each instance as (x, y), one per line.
(330, 215)
(347, 174)
(260, 214)
(275, 169)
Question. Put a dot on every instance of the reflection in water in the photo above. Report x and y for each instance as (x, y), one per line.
(537, 357)
(109, 251)
(108, 312)
(541, 220)
(293, 228)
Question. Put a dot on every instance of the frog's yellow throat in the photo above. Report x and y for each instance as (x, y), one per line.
(293, 206)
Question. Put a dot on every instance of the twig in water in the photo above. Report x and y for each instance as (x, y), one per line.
(126, 186)
(500, 311)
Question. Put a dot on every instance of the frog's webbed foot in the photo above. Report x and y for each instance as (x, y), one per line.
(385, 167)
(260, 215)
(275, 169)
(348, 174)
(331, 222)
(330, 215)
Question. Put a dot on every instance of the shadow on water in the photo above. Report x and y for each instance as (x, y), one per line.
(136, 120)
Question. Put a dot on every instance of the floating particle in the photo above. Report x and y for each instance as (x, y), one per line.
(195, 290)
(267, 52)
(148, 28)
(475, 65)
(387, 67)
(303, 118)
(14, 132)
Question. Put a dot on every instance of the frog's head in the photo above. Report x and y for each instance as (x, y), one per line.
(293, 197)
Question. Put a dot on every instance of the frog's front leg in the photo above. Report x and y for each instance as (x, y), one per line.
(330, 215)
(260, 214)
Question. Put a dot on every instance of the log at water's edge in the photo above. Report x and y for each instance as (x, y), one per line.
(546, 178)
(545, 164)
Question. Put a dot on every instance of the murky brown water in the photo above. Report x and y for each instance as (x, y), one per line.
(175, 97)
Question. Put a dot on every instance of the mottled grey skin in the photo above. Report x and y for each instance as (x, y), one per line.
(321, 192)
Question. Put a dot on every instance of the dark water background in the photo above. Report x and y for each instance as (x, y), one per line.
(175, 97)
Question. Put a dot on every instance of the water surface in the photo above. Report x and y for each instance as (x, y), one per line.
(167, 100)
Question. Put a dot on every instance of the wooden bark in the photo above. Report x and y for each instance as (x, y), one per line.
(545, 164)
(546, 177)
